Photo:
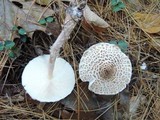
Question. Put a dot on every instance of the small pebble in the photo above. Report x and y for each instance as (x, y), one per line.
(143, 66)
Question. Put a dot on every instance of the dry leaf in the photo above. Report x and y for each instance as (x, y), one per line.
(91, 27)
(148, 22)
(87, 102)
(6, 19)
(92, 106)
(135, 4)
(123, 112)
(28, 16)
(6, 23)
(135, 102)
(34, 11)
(93, 18)
(43, 2)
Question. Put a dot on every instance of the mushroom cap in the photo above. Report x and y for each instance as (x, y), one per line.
(38, 85)
(107, 69)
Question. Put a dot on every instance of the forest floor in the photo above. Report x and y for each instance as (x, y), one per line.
(138, 24)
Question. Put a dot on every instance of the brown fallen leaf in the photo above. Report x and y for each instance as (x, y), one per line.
(135, 102)
(135, 4)
(36, 11)
(87, 102)
(148, 22)
(43, 2)
(124, 104)
(93, 18)
(92, 27)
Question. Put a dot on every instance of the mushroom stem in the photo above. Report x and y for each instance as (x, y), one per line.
(73, 15)
(68, 27)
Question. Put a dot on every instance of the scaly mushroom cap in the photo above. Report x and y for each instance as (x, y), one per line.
(38, 85)
(107, 69)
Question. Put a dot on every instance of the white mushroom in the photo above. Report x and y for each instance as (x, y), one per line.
(40, 87)
(49, 78)
(106, 68)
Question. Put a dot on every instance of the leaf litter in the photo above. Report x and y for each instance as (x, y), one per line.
(142, 45)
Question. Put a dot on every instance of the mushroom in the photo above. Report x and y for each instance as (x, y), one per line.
(49, 78)
(107, 69)
(40, 87)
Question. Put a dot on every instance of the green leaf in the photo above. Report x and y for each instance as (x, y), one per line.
(11, 54)
(117, 5)
(113, 42)
(42, 21)
(22, 31)
(1, 46)
(121, 5)
(8, 44)
(24, 38)
(50, 19)
(123, 45)
(16, 51)
(116, 9)
(114, 2)
(15, 28)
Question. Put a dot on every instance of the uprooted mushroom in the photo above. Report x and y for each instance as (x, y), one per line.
(107, 69)
(49, 78)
